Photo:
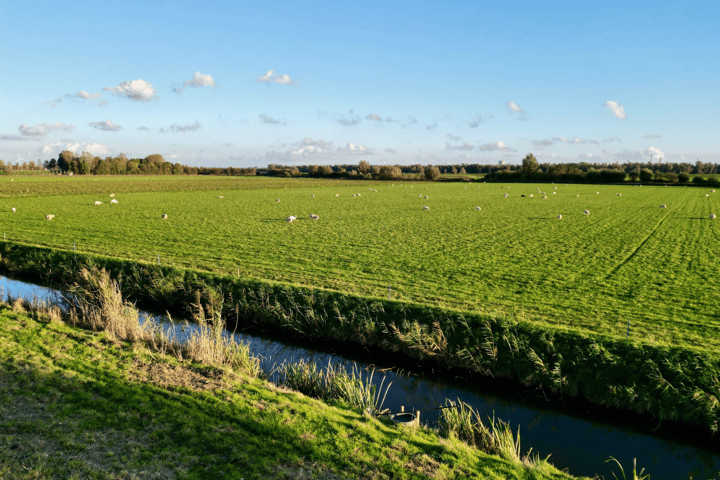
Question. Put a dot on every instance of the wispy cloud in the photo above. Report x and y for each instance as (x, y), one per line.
(107, 125)
(575, 140)
(353, 149)
(475, 123)
(80, 96)
(11, 137)
(138, 90)
(617, 109)
(452, 137)
(143, 128)
(375, 117)
(273, 121)
(182, 128)
(496, 146)
(198, 80)
(611, 140)
(390, 150)
(653, 136)
(271, 77)
(541, 144)
(464, 146)
(43, 129)
(431, 127)
(350, 120)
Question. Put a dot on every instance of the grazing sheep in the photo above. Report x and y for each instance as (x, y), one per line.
(619, 194)
(663, 206)
(113, 201)
(531, 195)
(291, 218)
(712, 191)
(478, 208)
(220, 196)
(559, 217)
(359, 195)
(337, 194)
(577, 195)
(544, 197)
(49, 217)
(314, 217)
(312, 196)
(426, 197)
(586, 212)
(13, 209)
(426, 207)
(598, 193)
(707, 194)
(277, 200)
(164, 216)
(505, 196)
(554, 193)
(555, 187)
(712, 216)
(112, 195)
(420, 196)
(98, 203)
(522, 196)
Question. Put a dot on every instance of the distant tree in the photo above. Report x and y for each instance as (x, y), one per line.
(65, 160)
(155, 158)
(684, 177)
(432, 172)
(671, 177)
(635, 175)
(178, 169)
(364, 167)
(462, 171)
(529, 164)
(388, 172)
(646, 175)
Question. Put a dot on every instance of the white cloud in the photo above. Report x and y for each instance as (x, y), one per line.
(107, 125)
(273, 121)
(653, 136)
(75, 147)
(612, 139)
(198, 80)
(271, 77)
(174, 155)
(389, 150)
(42, 129)
(143, 128)
(431, 127)
(353, 149)
(317, 150)
(575, 140)
(350, 120)
(656, 152)
(182, 128)
(139, 90)
(375, 117)
(464, 146)
(514, 107)
(617, 109)
(452, 137)
(497, 146)
(309, 147)
(594, 142)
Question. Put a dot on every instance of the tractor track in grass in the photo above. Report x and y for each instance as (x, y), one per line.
(636, 250)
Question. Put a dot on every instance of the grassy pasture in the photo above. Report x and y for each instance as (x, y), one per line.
(627, 260)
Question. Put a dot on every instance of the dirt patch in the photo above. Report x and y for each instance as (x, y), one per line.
(166, 375)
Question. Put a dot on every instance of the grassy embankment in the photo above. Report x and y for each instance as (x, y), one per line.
(508, 290)
(75, 403)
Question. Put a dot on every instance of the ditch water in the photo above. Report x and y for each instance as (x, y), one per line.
(578, 443)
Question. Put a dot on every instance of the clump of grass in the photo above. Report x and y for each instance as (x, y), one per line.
(462, 421)
(635, 475)
(333, 382)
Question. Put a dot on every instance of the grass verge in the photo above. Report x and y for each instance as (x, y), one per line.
(75, 403)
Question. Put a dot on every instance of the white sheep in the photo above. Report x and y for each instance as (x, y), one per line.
(478, 208)
(663, 206)
(712, 216)
(598, 193)
(359, 195)
(49, 217)
(577, 195)
(220, 196)
(554, 193)
(420, 196)
(712, 191)
(314, 217)
(312, 196)
(337, 194)
(559, 217)
(426, 197)
(13, 209)
(112, 195)
(531, 195)
(291, 218)
(619, 194)
(586, 212)
(505, 196)
(164, 216)
(426, 207)
(544, 197)
(113, 201)
(277, 200)
(98, 203)
(707, 194)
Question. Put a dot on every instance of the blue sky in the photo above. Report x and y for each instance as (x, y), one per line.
(248, 84)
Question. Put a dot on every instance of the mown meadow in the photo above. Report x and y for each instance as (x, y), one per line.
(628, 260)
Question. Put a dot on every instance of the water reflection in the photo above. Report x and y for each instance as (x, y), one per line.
(581, 446)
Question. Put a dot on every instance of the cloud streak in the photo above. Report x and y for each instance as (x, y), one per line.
(107, 125)
(617, 109)
(273, 121)
(42, 129)
(182, 128)
(271, 77)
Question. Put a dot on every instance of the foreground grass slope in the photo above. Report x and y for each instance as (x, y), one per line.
(629, 260)
(76, 404)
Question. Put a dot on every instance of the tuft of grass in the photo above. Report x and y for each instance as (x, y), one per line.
(635, 474)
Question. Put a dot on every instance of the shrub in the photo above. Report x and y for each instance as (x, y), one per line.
(698, 179)
(646, 175)
(684, 177)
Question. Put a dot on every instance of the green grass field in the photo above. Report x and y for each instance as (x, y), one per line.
(628, 260)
